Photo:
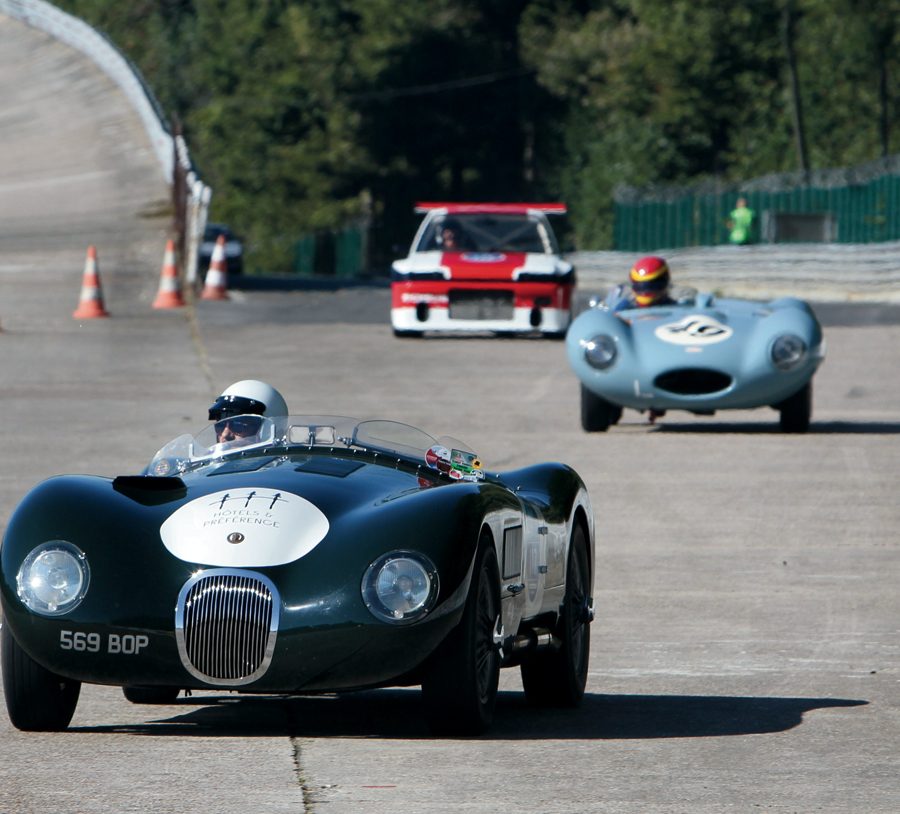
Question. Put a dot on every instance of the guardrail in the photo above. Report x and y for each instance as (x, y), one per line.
(169, 149)
(78, 34)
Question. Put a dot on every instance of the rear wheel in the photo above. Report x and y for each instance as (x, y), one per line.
(151, 695)
(557, 678)
(597, 414)
(36, 699)
(459, 688)
(796, 411)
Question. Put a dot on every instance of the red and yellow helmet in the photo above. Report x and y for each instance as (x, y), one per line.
(650, 280)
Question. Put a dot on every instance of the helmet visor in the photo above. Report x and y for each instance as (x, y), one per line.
(656, 286)
(225, 406)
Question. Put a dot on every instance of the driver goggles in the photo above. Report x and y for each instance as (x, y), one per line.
(242, 426)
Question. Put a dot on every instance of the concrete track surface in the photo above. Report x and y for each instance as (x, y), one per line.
(746, 652)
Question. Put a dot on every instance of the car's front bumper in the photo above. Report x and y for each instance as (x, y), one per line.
(532, 307)
(306, 655)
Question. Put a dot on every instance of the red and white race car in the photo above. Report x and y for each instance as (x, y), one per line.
(483, 267)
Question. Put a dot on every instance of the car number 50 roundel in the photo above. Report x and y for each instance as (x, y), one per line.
(695, 329)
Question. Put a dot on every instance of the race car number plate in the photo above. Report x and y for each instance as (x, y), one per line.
(483, 305)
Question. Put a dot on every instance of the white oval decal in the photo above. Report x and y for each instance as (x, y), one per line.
(696, 329)
(244, 528)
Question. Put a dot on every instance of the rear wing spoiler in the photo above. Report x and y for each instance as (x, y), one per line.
(494, 208)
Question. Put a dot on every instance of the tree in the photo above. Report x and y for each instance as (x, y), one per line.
(305, 115)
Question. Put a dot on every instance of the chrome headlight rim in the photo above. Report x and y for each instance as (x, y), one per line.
(600, 351)
(788, 351)
(54, 578)
(384, 596)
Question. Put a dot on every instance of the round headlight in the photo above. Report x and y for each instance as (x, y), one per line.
(400, 587)
(788, 351)
(53, 578)
(599, 351)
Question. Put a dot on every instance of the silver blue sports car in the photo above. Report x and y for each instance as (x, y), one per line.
(699, 354)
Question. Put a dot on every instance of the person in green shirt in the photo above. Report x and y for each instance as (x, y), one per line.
(740, 222)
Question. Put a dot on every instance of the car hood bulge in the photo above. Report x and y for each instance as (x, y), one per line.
(250, 526)
(265, 511)
(683, 328)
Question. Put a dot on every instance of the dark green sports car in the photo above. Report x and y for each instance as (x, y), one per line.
(303, 554)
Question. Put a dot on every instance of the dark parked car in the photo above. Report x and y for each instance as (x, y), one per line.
(234, 248)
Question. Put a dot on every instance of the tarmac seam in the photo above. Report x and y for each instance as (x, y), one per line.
(301, 779)
(197, 340)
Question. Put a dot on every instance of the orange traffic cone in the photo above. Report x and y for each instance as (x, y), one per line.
(169, 294)
(216, 285)
(90, 305)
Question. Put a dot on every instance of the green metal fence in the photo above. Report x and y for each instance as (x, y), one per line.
(853, 205)
(332, 253)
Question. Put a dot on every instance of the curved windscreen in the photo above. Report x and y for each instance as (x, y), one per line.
(238, 436)
(488, 232)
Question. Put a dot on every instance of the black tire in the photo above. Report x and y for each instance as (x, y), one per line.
(459, 688)
(796, 411)
(36, 699)
(597, 413)
(151, 695)
(407, 334)
(557, 678)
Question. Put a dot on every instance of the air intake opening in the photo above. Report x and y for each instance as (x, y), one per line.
(693, 381)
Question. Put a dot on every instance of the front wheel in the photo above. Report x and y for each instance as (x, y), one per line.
(36, 699)
(557, 678)
(597, 414)
(459, 688)
(796, 410)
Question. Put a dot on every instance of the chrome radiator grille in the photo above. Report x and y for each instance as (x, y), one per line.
(226, 622)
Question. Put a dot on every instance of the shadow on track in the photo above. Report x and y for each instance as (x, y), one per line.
(815, 428)
(392, 714)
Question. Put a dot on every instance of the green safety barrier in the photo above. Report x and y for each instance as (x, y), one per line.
(855, 205)
(331, 253)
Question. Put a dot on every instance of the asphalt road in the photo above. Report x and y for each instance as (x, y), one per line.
(746, 652)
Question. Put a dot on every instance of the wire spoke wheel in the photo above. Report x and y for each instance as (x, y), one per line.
(558, 678)
(459, 688)
(487, 659)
